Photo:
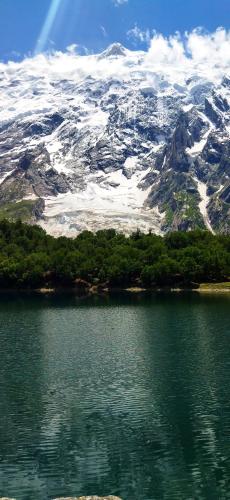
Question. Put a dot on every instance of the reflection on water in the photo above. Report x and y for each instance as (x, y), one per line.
(125, 396)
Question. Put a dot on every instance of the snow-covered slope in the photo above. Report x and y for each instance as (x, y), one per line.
(122, 139)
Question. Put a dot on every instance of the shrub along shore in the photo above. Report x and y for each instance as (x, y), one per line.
(105, 260)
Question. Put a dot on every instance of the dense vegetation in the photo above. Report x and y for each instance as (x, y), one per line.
(31, 258)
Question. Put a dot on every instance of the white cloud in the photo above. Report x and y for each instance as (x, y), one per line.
(72, 48)
(172, 59)
(195, 50)
(117, 3)
(215, 46)
(170, 51)
(103, 31)
(139, 36)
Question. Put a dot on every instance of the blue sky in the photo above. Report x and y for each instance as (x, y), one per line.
(95, 24)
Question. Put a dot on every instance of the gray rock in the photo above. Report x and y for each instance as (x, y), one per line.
(225, 195)
(212, 113)
(114, 50)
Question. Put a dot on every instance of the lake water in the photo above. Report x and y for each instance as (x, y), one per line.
(126, 396)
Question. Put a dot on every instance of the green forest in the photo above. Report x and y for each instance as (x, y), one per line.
(30, 258)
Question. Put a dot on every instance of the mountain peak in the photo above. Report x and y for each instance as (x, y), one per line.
(113, 50)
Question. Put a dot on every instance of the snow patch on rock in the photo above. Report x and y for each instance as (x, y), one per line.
(203, 205)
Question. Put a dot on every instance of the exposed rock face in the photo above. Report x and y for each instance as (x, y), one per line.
(114, 50)
(132, 147)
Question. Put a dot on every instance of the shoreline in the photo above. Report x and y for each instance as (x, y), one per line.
(207, 288)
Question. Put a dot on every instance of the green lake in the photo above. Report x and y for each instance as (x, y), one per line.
(127, 395)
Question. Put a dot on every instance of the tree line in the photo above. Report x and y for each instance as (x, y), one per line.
(30, 258)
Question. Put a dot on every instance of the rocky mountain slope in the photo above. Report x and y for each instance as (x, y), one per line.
(115, 140)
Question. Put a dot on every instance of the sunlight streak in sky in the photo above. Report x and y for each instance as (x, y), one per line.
(47, 27)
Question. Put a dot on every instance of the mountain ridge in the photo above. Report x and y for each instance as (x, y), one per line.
(115, 140)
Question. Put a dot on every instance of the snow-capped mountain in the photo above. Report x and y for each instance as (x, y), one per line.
(122, 139)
